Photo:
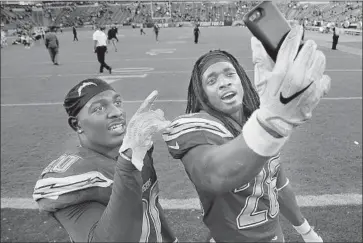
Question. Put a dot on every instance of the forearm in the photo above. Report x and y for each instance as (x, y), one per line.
(122, 218)
(289, 207)
(237, 162)
(231, 166)
(94, 44)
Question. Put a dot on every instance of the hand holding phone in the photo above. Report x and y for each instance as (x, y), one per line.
(269, 26)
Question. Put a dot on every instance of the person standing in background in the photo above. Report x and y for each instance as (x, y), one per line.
(335, 38)
(42, 32)
(142, 29)
(52, 44)
(196, 34)
(100, 47)
(74, 33)
(156, 30)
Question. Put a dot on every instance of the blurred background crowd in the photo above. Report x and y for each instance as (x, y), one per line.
(33, 17)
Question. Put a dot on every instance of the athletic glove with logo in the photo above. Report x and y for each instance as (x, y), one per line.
(142, 126)
(290, 89)
(308, 233)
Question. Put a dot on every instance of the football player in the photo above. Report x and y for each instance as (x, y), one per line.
(52, 44)
(112, 36)
(230, 139)
(156, 31)
(94, 190)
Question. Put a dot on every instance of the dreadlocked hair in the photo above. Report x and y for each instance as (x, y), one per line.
(197, 98)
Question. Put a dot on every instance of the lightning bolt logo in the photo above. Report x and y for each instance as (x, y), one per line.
(43, 190)
(54, 187)
(85, 84)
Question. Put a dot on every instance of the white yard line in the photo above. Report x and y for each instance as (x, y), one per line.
(157, 101)
(148, 59)
(193, 203)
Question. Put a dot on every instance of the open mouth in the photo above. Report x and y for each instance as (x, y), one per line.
(119, 128)
(228, 96)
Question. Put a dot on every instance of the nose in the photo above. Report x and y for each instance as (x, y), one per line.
(223, 82)
(115, 111)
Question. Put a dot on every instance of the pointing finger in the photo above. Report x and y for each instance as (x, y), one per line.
(146, 105)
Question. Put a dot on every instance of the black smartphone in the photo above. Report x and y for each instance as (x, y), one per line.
(268, 25)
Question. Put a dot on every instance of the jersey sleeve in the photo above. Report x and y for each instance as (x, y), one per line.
(70, 179)
(187, 132)
(79, 220)
(120, 219)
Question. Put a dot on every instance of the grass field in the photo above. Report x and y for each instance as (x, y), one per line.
(323, 159)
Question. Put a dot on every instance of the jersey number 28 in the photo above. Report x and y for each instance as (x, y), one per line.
(249, 216)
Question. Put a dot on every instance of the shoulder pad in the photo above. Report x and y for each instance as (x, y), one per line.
(188, 131)
(78, 161)
(72, 198)
(72, 172)
(53, 187)
(61, 164)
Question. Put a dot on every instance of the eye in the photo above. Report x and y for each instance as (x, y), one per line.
(98, 109)
(230, 74)
(211, 81)
(118, 103)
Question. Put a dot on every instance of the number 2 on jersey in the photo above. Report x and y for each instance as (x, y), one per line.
(249, 216)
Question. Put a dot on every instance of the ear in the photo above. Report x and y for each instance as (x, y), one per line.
(73, 123)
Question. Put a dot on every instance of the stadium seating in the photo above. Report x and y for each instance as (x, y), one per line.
(67, 14)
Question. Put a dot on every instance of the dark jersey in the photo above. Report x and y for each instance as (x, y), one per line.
(248, 213)
(112, 33)
(83, 176)
(196, 31)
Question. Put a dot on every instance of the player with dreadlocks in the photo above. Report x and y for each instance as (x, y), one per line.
(230, 139)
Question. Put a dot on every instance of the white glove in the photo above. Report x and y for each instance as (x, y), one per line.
(290, 89)
(142, 126)
(308, 233)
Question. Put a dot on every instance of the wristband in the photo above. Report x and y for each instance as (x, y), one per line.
(303, 229)
(125, 156)
(259, 140)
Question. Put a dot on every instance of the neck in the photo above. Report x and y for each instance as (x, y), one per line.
(238, 116)
(111, 153)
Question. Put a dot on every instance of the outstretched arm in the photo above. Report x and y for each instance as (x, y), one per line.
(221, 168)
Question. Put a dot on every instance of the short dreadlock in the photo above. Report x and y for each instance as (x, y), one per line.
(197, 99)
